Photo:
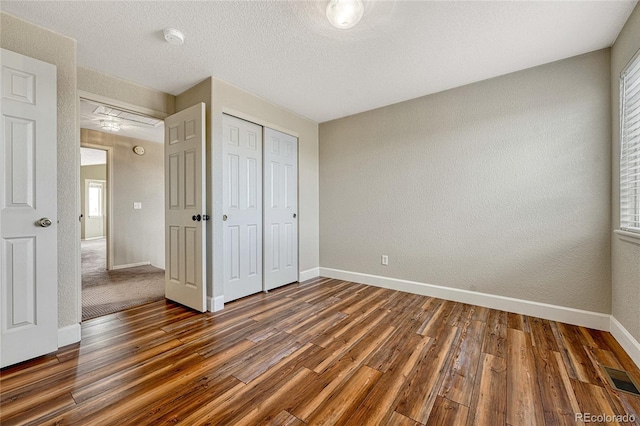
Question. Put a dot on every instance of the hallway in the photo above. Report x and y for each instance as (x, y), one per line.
(105, 292)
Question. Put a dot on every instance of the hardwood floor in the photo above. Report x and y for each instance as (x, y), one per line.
(322, 352)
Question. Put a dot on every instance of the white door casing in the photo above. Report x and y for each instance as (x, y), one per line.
(185, 199)
(280, 209)
(28, 191)
(242, 207)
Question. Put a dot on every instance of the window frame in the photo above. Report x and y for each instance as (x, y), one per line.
(627, 232)
(101, 184)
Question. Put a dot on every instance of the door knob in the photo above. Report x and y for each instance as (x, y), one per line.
(224, 217)
(196, 218)
(45, 222)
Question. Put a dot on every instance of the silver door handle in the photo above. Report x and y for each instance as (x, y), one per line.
(45, 222)
(224, 217)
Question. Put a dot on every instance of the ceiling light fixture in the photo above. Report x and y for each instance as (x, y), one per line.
(112, 126)
(173, 36)
(345, 14)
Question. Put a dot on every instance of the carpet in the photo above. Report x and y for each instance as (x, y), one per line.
(105, 292)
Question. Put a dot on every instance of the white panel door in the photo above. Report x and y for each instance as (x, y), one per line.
(280, 209)
(185, 218)
(242, 207)
(28, 225)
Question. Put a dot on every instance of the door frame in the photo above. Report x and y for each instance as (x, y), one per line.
(109, 207)
(88, 96)
(217, 262)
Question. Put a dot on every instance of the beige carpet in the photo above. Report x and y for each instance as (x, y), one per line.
(105, 292)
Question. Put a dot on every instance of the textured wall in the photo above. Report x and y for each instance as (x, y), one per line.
(219, 96)
(229, 98)
(125, 91)
(625, 255)
(138, 235)
(91, 227)
(500, 187)
(39, 43)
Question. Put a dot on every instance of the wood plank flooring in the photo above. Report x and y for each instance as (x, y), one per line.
(321, 352)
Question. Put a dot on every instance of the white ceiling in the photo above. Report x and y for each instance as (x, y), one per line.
(89, 119)
(92, 157)
(286, 51)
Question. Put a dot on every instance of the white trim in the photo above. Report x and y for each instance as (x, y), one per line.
(69, 334)
(632, 237)
(308, 274)
(109, 207)
(573, 316)
(131, 265)
(215, 304)
(626, 340)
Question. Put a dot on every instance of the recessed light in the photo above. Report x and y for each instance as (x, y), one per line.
(173, 36)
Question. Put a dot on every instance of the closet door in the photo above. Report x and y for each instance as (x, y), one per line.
(242, 207)
(280, 209)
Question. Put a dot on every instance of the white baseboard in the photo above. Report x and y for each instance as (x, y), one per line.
(131, 265)
(308, 274)
(215, 304)
(596, 320)
(626, 340)
(69, 334)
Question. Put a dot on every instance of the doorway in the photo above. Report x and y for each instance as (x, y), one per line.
(122, 214)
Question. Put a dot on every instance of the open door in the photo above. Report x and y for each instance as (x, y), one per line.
(28, 209)
(185, 218)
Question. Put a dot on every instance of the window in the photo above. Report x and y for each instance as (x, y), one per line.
(95, 197)
(630, 146)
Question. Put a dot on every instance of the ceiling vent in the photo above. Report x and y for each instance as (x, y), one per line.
(127, 116)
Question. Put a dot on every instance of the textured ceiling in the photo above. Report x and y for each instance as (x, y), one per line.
(286, 51)
(90, 120)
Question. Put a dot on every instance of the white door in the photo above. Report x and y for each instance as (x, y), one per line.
(185, 218)
(280, 209)
(242, 207)
(28, 224)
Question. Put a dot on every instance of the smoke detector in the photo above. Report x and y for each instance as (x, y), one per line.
(173, 36)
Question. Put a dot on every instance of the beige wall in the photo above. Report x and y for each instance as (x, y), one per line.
(500, 187)
(230, 99)
(91, 227)
(625, 255)
(222, 97)
(138, 235)
(39, 43)
(115, 88)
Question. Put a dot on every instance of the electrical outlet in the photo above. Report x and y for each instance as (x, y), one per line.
(385, 260)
